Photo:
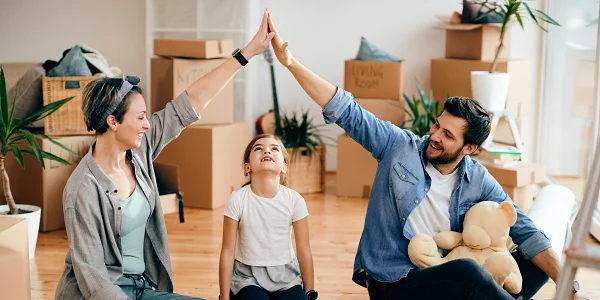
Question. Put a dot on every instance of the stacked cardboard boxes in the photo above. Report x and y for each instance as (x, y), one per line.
(472, 47)
(378, 87)
(208, 154)
(518, 181)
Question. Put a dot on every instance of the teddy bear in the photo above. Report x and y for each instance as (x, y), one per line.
(484, 239)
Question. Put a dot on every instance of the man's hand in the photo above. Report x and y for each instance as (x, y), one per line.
(261, 39)
(279, 46)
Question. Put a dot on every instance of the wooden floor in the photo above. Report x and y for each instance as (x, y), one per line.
(335, 223)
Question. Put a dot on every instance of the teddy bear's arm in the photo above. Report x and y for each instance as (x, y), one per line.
(448, 240)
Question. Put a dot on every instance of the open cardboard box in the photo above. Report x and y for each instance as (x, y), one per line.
(474, 41)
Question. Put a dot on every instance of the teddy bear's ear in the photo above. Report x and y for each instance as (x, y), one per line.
(509, 211)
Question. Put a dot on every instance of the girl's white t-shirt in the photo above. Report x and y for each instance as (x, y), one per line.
(265, 225)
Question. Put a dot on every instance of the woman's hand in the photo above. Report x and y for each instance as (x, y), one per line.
(261, 39)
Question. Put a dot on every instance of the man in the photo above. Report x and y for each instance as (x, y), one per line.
(424, 185)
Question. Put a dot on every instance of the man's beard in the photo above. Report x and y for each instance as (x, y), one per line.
(444, 158)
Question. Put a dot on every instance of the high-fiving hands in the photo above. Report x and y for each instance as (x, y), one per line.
(261, 39)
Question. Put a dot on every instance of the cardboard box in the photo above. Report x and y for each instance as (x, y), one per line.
(453, 77)
(475, 41)
(209, 159)
(521, 196)
(356, 168)
(384, 109)
(193, 48)
(14, 259)
(167, 179)
(170, 77)
(35, 185)
(517, 175)
(374, 79)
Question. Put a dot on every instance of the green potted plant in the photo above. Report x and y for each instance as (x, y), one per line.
(490, 88)
(303, 141)
(422, 112)
(15, 138)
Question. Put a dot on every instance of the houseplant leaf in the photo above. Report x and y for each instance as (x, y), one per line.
(18, 155)
(3, 101)
(41, 113)
(48, 155)
(33, 144)
(55, 142)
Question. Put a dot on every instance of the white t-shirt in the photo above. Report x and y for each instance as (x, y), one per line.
(432, 216)
(265, 225)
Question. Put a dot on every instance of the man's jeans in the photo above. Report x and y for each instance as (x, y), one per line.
(459, 279)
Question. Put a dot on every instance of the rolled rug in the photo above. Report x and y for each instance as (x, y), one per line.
(553, 212)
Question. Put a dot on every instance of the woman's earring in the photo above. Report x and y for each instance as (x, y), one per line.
(114, 128)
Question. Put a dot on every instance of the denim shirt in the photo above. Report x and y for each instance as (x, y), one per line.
(401, 184)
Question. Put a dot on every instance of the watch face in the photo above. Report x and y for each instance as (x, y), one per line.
(312, 295)
(576, 286)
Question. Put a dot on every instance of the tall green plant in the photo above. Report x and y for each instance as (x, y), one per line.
(15, 138)
(298, 131)
(510, 10)
(422, 112)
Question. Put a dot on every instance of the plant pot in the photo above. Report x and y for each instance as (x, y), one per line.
(306, 174)
(490, 89)
(33, 223)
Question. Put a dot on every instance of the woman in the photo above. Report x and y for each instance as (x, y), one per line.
(117, 236)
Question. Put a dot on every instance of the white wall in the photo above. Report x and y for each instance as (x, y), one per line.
(34, 31)
(322, 34)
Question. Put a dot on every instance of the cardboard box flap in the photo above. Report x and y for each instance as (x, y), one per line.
(167, 178)
(6, 223)
(464, 27)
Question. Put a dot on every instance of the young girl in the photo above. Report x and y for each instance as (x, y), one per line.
(259, 217)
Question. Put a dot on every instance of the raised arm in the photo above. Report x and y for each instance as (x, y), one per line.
(339, 106)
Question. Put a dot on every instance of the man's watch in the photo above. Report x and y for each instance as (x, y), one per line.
(575, 286)
(237, 53)
(312, 295)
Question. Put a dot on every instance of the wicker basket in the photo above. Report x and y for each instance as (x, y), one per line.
(68, 120)
(306, 174)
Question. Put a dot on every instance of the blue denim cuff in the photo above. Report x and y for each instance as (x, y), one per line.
(535, 244)
(336, 107)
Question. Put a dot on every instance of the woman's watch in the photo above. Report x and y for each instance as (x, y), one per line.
(237, 53)
(575, 286)
(312, 295)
